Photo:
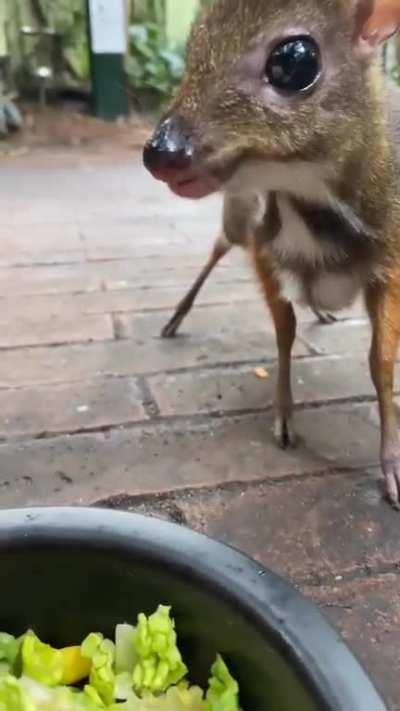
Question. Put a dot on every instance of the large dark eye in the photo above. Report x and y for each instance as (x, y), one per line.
(294, 65)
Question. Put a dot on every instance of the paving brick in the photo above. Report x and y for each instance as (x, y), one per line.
(56, 329)
(220, 321)
(80, 362)
(139, 233)
(134, 250)
(139, 273)
(35, 412)
(367, 612)
(355, 311)
(239, 388)
(43, 306)
(161, 458)
(343, 337)
(165, 299)
(40, 238)
(13, 258)
(54, 279)
(310, 530)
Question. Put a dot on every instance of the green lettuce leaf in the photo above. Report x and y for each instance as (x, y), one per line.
(41, 662)
(9, 651)
(13, 697)
(125, 653)
(177, 698)
(61, 698)
(223, 690)
(159, 663)
(101, 652)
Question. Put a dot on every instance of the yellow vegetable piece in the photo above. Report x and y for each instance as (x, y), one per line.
(76, 667)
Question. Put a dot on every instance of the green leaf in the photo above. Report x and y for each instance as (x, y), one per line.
(223, 691)
(101, 652)
(13, 697)
(10, 648)
(177, 698)
(41, 661)
(159, 664)
(61, 698)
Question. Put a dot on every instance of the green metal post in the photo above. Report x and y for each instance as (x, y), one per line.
(108, 43)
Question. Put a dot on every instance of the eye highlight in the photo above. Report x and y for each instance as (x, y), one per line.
(294, 65)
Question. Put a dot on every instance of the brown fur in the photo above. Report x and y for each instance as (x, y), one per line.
(347, 129)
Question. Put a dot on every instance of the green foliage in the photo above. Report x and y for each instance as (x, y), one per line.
(150, 65)
(69, 17)
(153, 68)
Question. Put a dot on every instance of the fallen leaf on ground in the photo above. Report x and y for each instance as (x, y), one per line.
(261, 373)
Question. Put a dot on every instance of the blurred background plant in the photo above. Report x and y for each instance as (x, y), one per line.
(154, 65)
(157, 33)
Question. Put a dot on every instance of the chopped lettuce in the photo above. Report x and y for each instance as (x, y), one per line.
(159, 663)
(177, 698)
(101, 652)
(40, 661)
(61, 698)
(51, 666)
(9, 652)
(142, 671)
(125, 653)
(223, 690)
(13, 697)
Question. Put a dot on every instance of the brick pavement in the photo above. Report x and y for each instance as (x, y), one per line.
(97, 409)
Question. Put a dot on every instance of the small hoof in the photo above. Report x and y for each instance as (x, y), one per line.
(284, 433)
(171, 329)
(391, 472)
(325, 318)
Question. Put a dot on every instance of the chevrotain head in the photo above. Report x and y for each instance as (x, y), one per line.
(268, 81)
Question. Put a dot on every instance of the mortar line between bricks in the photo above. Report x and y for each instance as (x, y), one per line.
(168, 309)
(56, 344)
(27, 265)
(169, 421)
(234, 486)
(211, 367)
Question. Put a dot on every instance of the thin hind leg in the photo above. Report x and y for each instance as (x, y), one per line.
(324, 317)
(221, 247)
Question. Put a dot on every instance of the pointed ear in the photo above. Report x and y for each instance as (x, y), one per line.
(375, 22)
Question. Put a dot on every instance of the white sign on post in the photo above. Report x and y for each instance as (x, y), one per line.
(108, 26)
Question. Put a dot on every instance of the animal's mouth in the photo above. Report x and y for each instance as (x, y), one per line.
(209, 179)
(195, 186)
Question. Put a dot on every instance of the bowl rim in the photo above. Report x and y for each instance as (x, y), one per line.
(316, 650)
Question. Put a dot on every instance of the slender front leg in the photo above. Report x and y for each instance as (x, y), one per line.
(285, 325)
(220, 249)
(383, 303)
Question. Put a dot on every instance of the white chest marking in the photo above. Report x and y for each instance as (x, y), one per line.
(300, 178)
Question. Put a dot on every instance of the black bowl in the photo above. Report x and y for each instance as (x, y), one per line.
(66, 572)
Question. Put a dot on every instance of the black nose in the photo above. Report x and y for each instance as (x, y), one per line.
(170, 151)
